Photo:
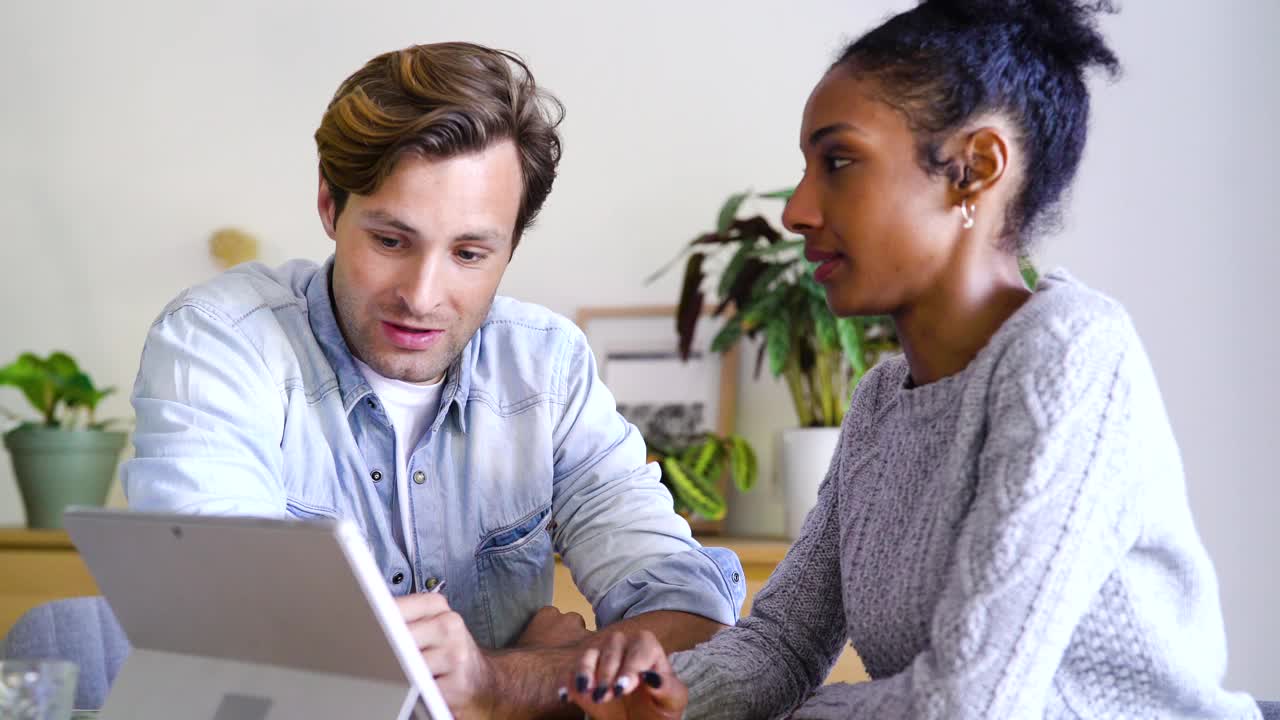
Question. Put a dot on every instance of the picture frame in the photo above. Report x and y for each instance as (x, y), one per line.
(637, 356)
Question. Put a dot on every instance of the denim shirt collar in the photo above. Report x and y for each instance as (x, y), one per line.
(351, 383)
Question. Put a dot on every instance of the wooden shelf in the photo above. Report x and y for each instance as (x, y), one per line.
(751, 551)
(27, 539)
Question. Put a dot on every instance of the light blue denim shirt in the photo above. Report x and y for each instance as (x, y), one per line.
(249, 403)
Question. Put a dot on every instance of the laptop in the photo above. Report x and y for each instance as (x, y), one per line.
(236, 618)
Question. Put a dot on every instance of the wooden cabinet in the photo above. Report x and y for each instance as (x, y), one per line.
(37, 566)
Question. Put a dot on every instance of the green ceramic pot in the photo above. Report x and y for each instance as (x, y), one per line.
(56, 468)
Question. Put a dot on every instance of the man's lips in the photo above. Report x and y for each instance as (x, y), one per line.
(410, 338)
(410, 328)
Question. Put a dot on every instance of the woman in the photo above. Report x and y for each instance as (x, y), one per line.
(1004, 531)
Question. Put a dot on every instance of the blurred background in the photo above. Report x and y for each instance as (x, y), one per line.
(131, 131)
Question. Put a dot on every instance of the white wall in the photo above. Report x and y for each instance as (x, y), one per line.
(129, 131)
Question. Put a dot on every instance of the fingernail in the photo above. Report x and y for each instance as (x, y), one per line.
(620, 688)
(599, 694)
(583, 682)
(564, 695)
(652, 679)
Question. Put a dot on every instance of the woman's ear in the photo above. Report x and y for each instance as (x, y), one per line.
(983, 161)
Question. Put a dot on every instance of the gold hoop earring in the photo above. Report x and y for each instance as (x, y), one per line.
(967, 211)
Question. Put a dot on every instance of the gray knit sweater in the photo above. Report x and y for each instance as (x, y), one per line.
(1013, 541)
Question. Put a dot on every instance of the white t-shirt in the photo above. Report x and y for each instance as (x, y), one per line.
(411, 407)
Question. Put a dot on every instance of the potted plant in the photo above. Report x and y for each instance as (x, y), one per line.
(764, 288)
(68, 457)
(692, 469)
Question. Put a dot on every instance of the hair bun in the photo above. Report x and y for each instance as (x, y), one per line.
(1068, 29)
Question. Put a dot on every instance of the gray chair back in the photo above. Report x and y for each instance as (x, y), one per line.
(82, 630)
(1270, 710)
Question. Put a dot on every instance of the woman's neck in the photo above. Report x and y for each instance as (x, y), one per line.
(943, 331)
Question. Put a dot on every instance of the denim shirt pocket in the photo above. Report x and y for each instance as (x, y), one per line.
(516, 570)
(300, 510)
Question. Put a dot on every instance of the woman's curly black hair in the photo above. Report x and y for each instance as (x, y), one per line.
(947, 61)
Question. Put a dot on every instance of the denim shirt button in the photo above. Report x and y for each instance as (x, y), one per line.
(397, 578)
(376, 475)
(736, 577)
(419, 477)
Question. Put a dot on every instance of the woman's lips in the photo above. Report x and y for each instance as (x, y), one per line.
(828, 262)
(407, 338)
(824, 271)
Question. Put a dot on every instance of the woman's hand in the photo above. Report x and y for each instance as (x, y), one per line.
(627, 677)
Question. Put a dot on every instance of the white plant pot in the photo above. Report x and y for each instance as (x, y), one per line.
(805, 457)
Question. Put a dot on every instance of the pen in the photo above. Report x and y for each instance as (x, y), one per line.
(439, 586)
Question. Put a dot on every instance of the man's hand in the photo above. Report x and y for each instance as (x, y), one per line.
(461, 670)
(528, 680)
(552, 628)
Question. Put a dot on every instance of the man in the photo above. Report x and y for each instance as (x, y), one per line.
(469, 437)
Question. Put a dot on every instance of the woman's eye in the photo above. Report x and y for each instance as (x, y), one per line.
(835, 163)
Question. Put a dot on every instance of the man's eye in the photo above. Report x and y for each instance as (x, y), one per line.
(470, 256)
(389, 243)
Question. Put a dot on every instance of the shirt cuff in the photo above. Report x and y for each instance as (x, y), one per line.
(707, 581)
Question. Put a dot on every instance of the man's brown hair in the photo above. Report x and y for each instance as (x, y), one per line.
(439, 101)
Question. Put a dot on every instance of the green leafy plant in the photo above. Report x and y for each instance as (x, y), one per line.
(60, 392)
(1030, 275)
(692, 470)
(763, 286)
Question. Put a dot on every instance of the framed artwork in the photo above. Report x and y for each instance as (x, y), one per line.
(669, 400)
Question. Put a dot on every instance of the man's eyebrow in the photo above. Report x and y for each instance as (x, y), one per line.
(387, 218)
(492, 236)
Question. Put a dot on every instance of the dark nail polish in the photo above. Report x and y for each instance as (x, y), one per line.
(564, 695)
(619, 689)
(583, 683)
(599, 694)
(652, 679)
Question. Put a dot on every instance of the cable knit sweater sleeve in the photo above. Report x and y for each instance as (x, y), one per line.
(774, 658)
(1050, 521)
(786, 647)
